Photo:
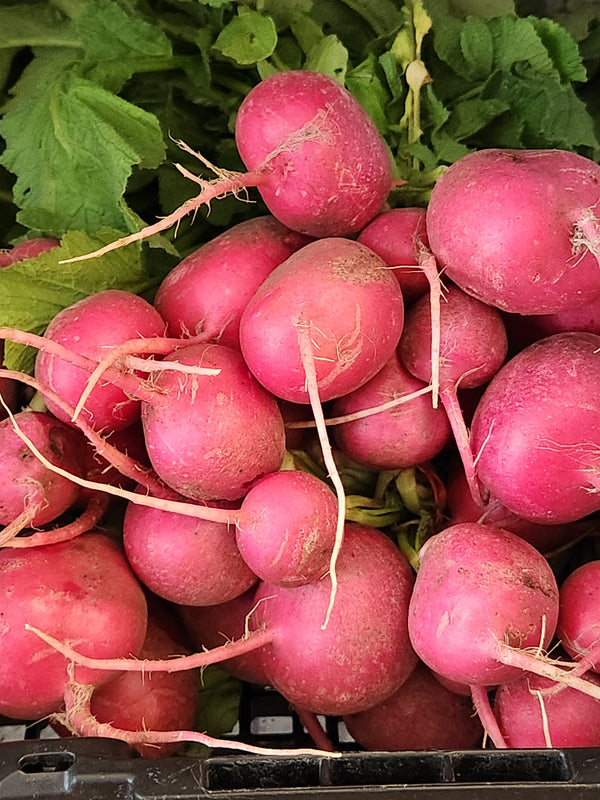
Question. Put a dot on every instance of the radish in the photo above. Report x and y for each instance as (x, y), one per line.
(211, 437)
(361, 657)
(536, 430)
(286, 530)
(461, 507)
(334, 292)
(400, 437)
(30, 248)
(83, 591)
(137, 701)
(207, 292)
(482, 598)
(465, 359)
(184, 560)
(517, 228)
(421, 715)
(531, 714)
(91, 327)
(30, 494)
(578, 624)
(399, 237)
(314, 153)
(208, 627)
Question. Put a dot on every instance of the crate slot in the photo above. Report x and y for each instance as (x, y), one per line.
(38, 763)
(262, 773)
(386, 769)
(499, 766)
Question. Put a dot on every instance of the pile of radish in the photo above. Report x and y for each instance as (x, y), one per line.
(389, 339)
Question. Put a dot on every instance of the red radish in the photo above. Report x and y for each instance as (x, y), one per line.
(185, 560)
(336, 292)
(31, 248)
(207, 292)
(546, 538)
(482, 598)
(399, 437)
(421, 715)
(151, 701)
(83, 591)
(517, 228)
(212, 437)
(399, 237)
(524, 329)
(91, 327)
(536, 430)
(286, 531)
(208, 627)
(314, 153)
(466, 359)
(579, 619)
(30, 494)
(362, 656)
(531, 714)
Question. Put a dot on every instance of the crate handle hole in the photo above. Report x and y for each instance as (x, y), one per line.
(35, 763)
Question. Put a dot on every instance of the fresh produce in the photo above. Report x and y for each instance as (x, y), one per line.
(260, 263)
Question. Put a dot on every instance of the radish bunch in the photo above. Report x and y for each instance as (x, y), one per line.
(340, 316)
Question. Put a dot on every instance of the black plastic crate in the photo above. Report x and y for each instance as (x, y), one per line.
(35, 767)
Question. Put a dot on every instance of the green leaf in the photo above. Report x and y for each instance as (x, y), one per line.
(476, 46)
(484, 9)
(366, 85)
(218, 706)
(516, 42)
(72, 146)
(563, 50)
(248, 38)
(328, 56)
(34, 25)
(107, 32)
(33, 291)
(382, 16)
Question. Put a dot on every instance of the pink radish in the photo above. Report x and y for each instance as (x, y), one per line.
(334, 292)
(399, 237)
(286, 530)
(314, 153)
(530, 714)
(82, 591)
(30, 494)
(536, 430)
(212, 437)
(91, 327)
(185, 560)
(402, 436)
(207, 292)
(518, 229)
(465, 359)
(483, 598)
(421, 715)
